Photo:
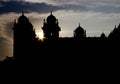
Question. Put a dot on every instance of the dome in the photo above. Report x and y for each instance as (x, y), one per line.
(51, 18)
(22, 18)
(79, 29)
(79, 32)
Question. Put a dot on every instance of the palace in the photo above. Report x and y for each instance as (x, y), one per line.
(28, 47)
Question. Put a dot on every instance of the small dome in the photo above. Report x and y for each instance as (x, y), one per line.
(51, 18)
(79, 29)
(22, 18)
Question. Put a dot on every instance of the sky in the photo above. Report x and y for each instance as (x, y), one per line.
(95, 16)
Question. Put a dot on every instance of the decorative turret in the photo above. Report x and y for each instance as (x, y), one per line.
(23, 18)
(51, 27)
(79, 32)
(24, 36)
(51, 19)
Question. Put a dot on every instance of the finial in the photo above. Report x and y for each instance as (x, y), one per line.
(44, 20)
(79, 24)
(22, 12)
(57, 21)
(119, 25)
(115, 27)
(14, 22)
(51, 12)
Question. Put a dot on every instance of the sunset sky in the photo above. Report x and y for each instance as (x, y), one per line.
(95, 16)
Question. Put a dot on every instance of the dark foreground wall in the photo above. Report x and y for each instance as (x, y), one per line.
(69, 50)
(68, 60)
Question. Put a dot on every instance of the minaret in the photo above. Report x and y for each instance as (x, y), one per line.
(24, 37)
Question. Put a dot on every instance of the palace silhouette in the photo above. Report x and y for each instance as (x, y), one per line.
(28, 48)
(55, 58)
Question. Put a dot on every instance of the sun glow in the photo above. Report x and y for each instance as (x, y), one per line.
(40, 35)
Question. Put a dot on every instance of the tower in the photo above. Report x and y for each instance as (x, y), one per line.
(51, 27)
(24, 37)
(79, 32)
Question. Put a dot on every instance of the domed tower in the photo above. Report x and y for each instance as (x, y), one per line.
(24, 36)
(51, 27)
(79, 32)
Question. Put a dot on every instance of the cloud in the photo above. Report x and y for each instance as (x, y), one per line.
(19, 6)
(44, 6)
(6, 35)
(5, 48)
(94, 5)
(79, 2)
(93, 22)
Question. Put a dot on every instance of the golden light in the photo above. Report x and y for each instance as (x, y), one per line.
(40, 35)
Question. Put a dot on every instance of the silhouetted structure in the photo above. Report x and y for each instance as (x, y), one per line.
(115, 34)
(102, 35)
(24, 37)
(51, 52)
(51, 27)
(79, 32)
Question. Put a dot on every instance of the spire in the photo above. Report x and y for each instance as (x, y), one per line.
(115, 27)
(57, 21)
(85, 33)
(44, 20)
(51, 12)
(119, 26)
(23, 13)
(14, 22)
(79, 24)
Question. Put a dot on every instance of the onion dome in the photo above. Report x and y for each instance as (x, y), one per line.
(79, 29)
(22, 18)
(51, 18)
